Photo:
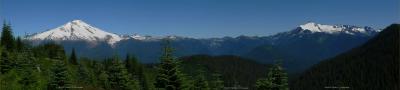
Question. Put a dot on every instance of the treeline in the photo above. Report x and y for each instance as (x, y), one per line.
(47, 67)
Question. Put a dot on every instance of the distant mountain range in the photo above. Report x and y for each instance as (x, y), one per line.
(310, 43)
(301, 47)
(79, 30)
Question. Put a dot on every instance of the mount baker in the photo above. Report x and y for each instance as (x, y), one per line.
(79, 30)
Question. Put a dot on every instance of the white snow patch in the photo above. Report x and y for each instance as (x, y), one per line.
(332, 29)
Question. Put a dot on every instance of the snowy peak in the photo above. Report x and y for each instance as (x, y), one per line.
(76, 30)
(79, 30)
(135, 36)
(334, 29)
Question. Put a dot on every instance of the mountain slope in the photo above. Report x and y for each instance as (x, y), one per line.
(371, 66)
(300, 48)
(76, 30)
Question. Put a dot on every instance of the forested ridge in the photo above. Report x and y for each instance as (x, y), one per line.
(233, 69)
(371, 66)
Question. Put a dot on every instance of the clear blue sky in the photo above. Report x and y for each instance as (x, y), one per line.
(196, 18)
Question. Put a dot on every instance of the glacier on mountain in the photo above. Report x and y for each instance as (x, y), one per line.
(334, 29)
(79, 30)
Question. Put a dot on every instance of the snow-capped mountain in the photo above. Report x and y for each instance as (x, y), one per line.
(79, 30)
(314, 30)
(336, 29)
(307, 40)
(310, 43)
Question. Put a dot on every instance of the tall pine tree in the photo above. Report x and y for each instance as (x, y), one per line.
(143, 81)
(136, 71)
(132, 65)
(19, 44)
(83, 74)
(277, 79)
(26, 65)
(6, 63)
(169, 76)
(7, 44)
(73, 59)
(103, 80)
(59, 76)
(119, 77)
(7, 38)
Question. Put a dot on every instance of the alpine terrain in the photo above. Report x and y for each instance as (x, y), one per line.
(303, 46)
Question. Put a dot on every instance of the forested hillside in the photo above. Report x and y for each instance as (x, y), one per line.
(233, 69)
(372, 66)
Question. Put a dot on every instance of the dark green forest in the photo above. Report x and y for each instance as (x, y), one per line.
(233, 69)
(49, 67)
(372, 66)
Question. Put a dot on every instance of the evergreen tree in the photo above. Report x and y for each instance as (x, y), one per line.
(53, 51)
(83, 75)
(264, 84)
(200, 82)
(136, 71)
(30, 79)
(88, 70)
(9, 80)
(73, 59)
(6, 63)
(132, 65)
(277, 79)
(59, 76)
(7, 38)
(1, 60)
(144, 84)
(169, 76)
(216, 82)
(19, 44)
(96, 70)
(27, 68)
(188, 82)
(18, 66)
(7, 43)
(103, 80)
(119, 77)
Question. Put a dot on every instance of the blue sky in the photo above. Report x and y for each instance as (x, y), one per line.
(196, 18)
